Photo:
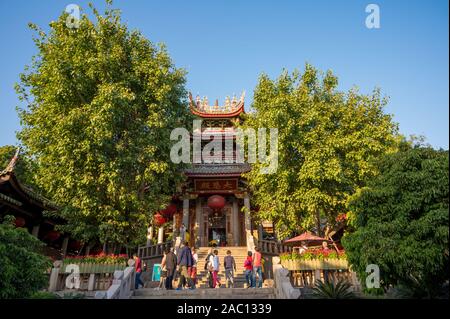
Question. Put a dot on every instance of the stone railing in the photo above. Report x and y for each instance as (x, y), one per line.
(153, 251)
(305, 273)
(122, 286)
(269, 247)
(89, 277)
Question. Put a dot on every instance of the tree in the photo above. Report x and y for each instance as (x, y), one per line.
(22, 266)
(401, 221)
(326, 142)
(100, 103)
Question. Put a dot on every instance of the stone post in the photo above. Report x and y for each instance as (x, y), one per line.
(260, 232)
(35, 231)
(161, 235)
(91, 282)
(198, 222)
(186, 212)
(64, 245)
(149, 235)
(249, 236)
(54, 276)
(236, 230)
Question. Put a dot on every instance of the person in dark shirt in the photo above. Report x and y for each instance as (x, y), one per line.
(170, 262)
(230, 268)
(185, 262)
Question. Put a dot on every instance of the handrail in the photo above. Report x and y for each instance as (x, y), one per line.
(122, 286)
(152, 251)
(272, 247)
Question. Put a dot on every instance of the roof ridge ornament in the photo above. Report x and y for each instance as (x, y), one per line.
(12, 163)
(231, 108)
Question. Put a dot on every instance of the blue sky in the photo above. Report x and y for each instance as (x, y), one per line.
(226, 44)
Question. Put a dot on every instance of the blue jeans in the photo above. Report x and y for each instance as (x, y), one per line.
(138, 280)
(257, 271)
(249, 278)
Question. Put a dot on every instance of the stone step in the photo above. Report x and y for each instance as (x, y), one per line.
(220, 293)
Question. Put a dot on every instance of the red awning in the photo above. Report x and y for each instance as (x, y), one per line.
(306, 237)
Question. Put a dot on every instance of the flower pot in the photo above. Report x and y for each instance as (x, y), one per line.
(331, 264)
(289, 264)
(297, 264)
(343, 264)
(310, 264)
(302, 265)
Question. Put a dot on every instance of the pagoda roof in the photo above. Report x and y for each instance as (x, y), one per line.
(217, 170)
(16, 193)
(232, 108)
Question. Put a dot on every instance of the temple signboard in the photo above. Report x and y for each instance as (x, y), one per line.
(211, 185)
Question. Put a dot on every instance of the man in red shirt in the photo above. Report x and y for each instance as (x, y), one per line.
(138, 269)
(257, 268)
(248, 265)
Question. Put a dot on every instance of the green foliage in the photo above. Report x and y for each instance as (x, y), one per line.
(97, 259)
(330, 290)
(74, 295)
(327, 140)
(100, 103)
(22, 266)
(401, 221)
(313, 254)
(44, 295)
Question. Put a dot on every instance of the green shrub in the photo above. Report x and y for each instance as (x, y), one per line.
(340, 290)
(22, 266)
(44, 295)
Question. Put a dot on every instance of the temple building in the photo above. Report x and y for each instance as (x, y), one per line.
(28, 207)
(215, 191)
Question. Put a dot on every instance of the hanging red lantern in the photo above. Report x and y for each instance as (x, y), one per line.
(20, 221)
(159, 219)
(170, 211)
(216, 202)
(53, 235)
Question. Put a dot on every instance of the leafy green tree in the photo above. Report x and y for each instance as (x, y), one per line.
(22, 266)
(327, 140)
(100, 103)
(401, 221)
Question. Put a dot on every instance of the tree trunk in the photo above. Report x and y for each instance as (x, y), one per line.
(319, 228)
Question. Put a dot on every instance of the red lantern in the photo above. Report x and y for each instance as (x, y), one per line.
(53, 235)
(216, 202)
(170, 211)
(20, 222)
(159, 219)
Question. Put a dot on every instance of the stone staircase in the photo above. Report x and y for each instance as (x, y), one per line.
(239, 254)
(203, 292)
